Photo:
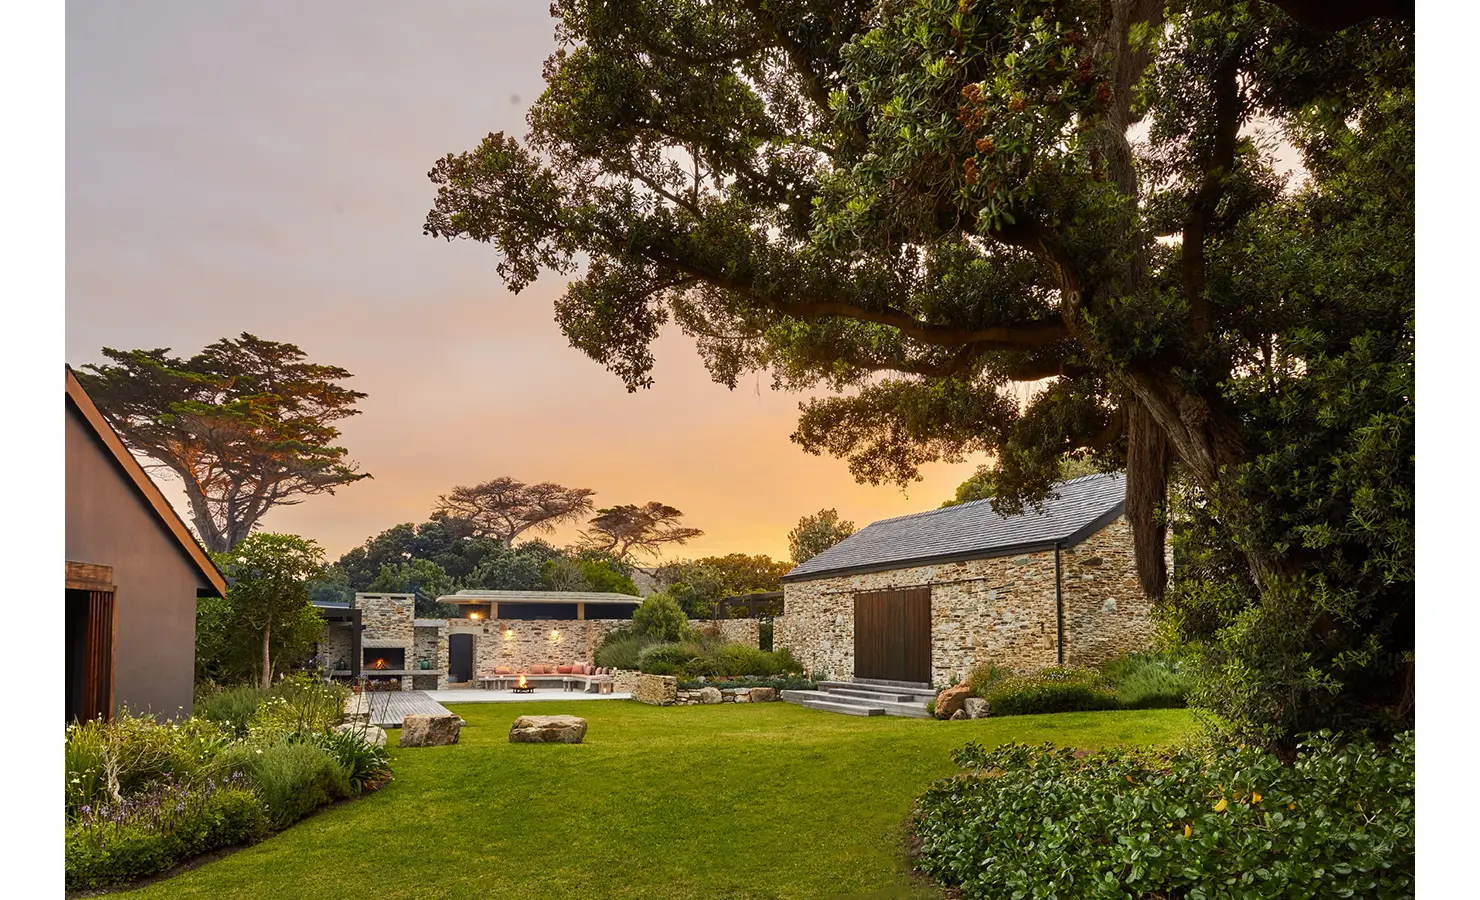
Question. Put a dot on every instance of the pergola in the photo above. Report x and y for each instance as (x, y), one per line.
(572, 605)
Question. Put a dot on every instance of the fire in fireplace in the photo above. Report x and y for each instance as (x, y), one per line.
(384, 658)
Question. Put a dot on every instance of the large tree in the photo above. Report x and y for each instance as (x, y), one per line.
(266, 616)
(920, 203)
(816, 533)
(246, 425)
(504, 508)
(699, 584)
(630, 530)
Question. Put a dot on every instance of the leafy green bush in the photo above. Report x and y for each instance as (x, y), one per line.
(780, 683)
(153, 831)
(1148, 681)
(108, 761)
(300, 705)
(659, 616)
(1049, 691)
(292, 778)
(620, 649)
(365, 766)
(675, 655)
(232, 708)
(1197, 822)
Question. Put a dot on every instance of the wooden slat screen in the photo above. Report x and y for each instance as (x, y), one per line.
(97, 686)
(891, 635)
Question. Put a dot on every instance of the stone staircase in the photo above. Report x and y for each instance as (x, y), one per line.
(866, 697)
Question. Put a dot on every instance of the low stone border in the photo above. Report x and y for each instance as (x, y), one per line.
(662, 690)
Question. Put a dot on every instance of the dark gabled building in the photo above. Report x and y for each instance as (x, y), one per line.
(134, 572)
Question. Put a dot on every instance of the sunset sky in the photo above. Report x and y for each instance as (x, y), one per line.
(262, 167)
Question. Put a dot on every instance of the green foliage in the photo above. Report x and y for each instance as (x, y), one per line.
(816, 533)
(111, 761)
(298, 706)
(768, 635)
(667, 658)
(365, 766)
(921, 207)
(277, 408)
(1148, 681)
(267, 598)
(628, 530)
(1197, 822)
(421, 577)
(1049, 691)
(292, 778)
(780, 682)
(660, 617)
(621, 648)
(698, 584)
(151, 833)
(982, 485)
(231, 708)
(565, 573)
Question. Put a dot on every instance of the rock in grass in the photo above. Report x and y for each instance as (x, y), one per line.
(951, 701)
(976, 708)
(430, 731)
(547, 730)
(762, 695)
(373, 734)
(711, 695)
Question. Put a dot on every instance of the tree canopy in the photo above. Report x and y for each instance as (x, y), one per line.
(697, 585)
(630, 530)
(246, 424)
(816, 533)
(920, 203)
(266, 617)
(505, 508)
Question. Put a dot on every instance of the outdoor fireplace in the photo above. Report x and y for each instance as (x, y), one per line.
(384, 658)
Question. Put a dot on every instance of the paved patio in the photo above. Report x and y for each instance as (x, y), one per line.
(476, 695)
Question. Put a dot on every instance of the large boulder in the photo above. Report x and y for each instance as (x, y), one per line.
(711, 695)
(373, 734)
(951, 700)
(430, 731)
(547, 730)
(762, 695)
(976, 708)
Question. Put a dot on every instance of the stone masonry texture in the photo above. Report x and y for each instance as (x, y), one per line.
(1000, 610)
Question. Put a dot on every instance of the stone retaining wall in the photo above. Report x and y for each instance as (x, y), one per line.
(726, 695)
(739, 631)
(656, 690)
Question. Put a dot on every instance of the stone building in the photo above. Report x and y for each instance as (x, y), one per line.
(927, 597)
(514, 629)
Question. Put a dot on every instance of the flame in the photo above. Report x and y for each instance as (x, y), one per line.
(522, 682)
(378, 664)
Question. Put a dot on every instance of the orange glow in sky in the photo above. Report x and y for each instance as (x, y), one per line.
(262, 167)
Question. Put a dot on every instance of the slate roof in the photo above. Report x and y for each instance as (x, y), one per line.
(1076, 509)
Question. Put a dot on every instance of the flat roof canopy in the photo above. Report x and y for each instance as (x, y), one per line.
(565, 597)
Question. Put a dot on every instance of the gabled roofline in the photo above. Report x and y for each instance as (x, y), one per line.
(1079, 535)
(144, 485)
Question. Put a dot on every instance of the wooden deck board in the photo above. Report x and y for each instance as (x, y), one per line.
(388, 709)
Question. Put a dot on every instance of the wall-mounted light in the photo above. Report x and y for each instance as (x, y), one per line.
(554, 634)
(508, 634)
(475, 615)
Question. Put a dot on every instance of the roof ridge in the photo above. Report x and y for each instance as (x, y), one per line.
(955, 506)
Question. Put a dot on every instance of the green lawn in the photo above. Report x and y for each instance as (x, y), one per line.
(729, 801)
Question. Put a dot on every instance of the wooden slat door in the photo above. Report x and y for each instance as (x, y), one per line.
(891, 635)
(97, 685)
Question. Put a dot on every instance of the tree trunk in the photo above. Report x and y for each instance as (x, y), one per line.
(266, 657)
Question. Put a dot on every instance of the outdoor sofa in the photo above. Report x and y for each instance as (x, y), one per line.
(588, 678)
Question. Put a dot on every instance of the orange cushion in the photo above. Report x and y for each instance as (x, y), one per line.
(503, 670)
(537, 669)
(565, 670)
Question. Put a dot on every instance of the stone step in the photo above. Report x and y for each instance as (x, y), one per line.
(809, 698)
(846, 709)
(920, 694)
(890, 697)
(884, 682)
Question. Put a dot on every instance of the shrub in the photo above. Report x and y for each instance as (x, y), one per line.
(232, 708)
(660, 617)
(1049, 691)
(620, 649)
(149, 833)
(780, 683)
(292, 778)
(676, 656)
(1214, 821)
(108, 761)
(300, 705)
(1148, 681)
(365, 766)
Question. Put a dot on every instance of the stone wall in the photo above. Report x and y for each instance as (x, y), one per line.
(726, 695)
(519, 644)
(338, 643)
(1001, 610)
(656, 690)
(625, 680)
(739, 631)
(1105, 612)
